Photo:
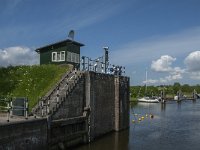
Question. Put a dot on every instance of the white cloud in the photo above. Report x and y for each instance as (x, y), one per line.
(163, 64)
(167, 79)
(150, 81)
(192, 62)
(18, 56)
(195, 75)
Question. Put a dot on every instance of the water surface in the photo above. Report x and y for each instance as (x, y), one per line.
(175, 126)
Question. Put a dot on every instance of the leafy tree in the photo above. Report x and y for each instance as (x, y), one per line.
(176, 87)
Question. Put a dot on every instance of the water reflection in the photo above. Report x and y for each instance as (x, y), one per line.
(163, 106)
(112, 141)
(179, 105)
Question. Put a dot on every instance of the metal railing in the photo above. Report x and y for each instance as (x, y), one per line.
(49, 104)
(14, 107)
(5, 107)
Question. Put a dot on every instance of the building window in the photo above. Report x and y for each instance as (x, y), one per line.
(69, 56)
(73, 57)
(58, 56)
(54, 56)
(62, 58)
(77, 58)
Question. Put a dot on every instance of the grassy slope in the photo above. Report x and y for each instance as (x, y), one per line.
(29, 81)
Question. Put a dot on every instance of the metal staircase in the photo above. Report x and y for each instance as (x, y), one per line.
(50, 103)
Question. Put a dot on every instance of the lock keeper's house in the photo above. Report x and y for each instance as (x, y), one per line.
(62, 52)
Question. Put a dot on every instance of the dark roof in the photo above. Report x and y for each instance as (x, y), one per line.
(60, 42)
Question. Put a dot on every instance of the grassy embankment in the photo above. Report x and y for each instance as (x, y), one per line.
(29, 81)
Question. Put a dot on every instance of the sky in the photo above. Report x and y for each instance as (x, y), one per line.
(161, 37)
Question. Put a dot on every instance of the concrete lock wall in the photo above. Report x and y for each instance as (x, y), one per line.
(102, 93)
(121, 103)
(30, 134)
(107, 96)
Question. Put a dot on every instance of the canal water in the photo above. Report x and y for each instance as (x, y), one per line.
(175, 126)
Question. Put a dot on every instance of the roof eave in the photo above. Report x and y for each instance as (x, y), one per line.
(68, 40)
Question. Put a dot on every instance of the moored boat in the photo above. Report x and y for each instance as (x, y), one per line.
(148, 100)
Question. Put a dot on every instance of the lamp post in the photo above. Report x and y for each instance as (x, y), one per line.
(105, 58)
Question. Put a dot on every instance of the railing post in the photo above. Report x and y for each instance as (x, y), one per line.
(57, 96)
(42, 108)
(8, 111)
(26, 108)
(11, 108)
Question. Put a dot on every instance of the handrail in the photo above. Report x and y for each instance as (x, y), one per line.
(44, 103)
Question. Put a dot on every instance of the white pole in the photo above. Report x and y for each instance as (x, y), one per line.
(146, 83)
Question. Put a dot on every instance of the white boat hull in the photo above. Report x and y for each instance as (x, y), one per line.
(148, 100)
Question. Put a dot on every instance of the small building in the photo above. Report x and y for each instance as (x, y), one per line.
(63, 52)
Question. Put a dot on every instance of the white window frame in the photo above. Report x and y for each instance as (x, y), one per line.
(62, 53)
(52, 57)
(58, 56)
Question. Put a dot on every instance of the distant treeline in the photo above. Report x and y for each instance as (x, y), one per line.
(168, 89)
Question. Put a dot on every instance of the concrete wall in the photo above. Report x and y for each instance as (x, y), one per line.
(31, 135)
(67, 132)
(101, 103)
(107, 96)
(121, 103)
(73, 104)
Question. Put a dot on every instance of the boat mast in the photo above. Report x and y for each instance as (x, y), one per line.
(146, 84)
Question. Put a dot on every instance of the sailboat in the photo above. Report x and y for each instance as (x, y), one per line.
(147, 99)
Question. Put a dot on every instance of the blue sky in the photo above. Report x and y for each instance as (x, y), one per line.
(161, 36)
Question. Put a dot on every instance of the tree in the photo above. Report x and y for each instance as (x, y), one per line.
(186, 88)
(176, 87)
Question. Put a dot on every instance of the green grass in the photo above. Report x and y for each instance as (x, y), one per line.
(29, 81)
